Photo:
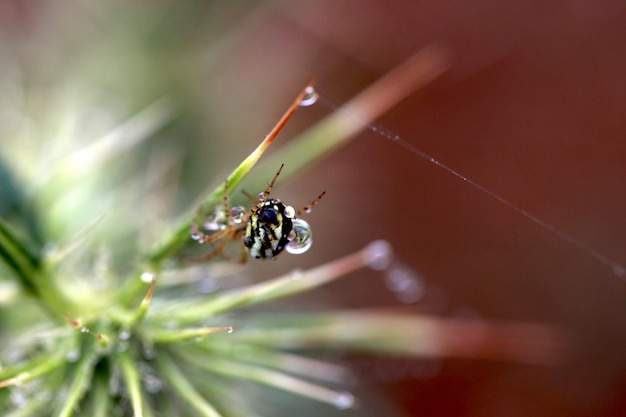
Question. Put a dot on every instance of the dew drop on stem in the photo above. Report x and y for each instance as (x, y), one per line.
(378, 255)
(310, 97)
(405, 282)
(343, 400)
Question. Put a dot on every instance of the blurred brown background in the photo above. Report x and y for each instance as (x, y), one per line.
(532, 108)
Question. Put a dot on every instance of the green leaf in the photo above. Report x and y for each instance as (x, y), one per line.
(17, 255)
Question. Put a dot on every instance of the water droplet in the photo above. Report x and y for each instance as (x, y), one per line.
(72, 356)
(310, 97)
(290, 212)
(212, 226)
(44, 395)
(207, 285)
(18, 396)
(229, 329)
(343, 400)
(215, 221)
(122, 346)
(300, 238)
(237, 213)
(152, 384)
(149, 352)
(407, 285)
(115, 382)
(84, 329)
(148, 276)
(411, 295)
(124, 335)
(378, 255)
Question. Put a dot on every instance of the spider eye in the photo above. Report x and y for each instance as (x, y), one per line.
(269, 216)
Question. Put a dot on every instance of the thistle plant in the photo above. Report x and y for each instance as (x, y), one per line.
(108, 319)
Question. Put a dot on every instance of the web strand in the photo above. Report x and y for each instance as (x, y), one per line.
(615, 267)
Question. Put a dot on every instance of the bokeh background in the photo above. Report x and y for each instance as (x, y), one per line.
(532, 108)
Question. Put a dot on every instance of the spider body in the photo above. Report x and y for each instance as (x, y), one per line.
(268, 228)
(265, 230)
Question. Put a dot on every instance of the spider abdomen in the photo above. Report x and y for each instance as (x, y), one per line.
(268, 228)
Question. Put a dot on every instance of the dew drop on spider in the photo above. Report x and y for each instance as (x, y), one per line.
(300, 237)
(290, 212)
(270, 227)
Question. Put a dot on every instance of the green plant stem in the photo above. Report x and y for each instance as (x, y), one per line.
(412, 335)
(33, 407)
(33, 369)
(133, 381)
(280, 380)
(17, 256)
(80, 382)
(183, 387)
(101, 400)
(31, 274)
(270, 358)
(290, 284)
(173, 336)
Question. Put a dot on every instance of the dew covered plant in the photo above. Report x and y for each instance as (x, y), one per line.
(151, 335)
(82, 341)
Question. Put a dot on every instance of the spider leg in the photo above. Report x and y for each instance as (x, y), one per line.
(206, 238)
(250, 196)
(243, 257)
(215, 236)
(218, 250)
(309, 206)
(225, 198)
(268, 190)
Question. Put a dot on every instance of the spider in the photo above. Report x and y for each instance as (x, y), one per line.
(265, 230)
